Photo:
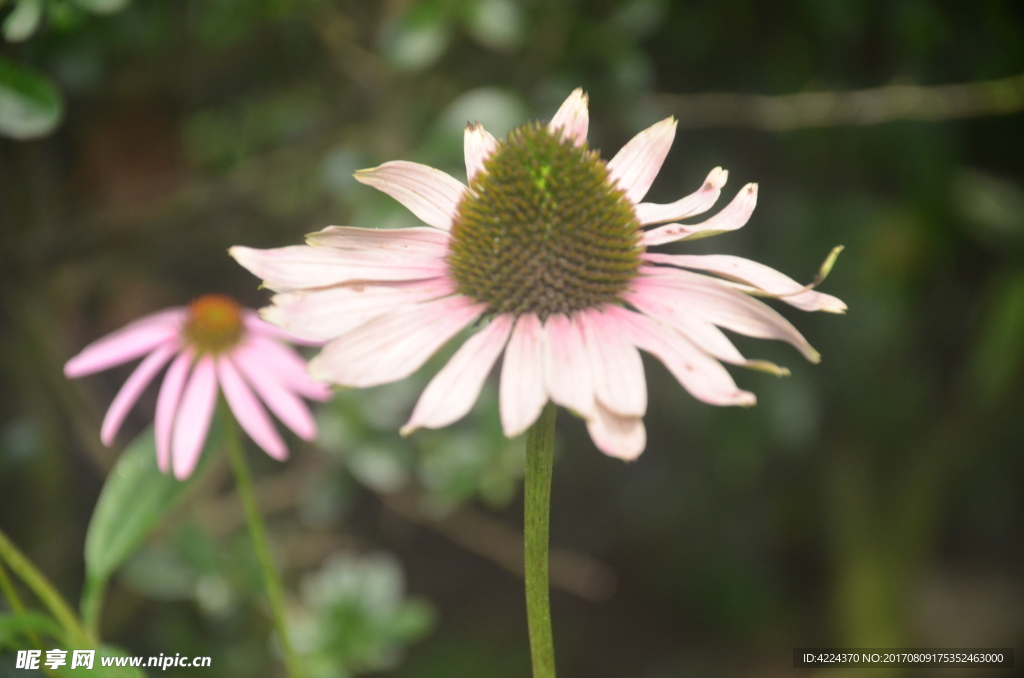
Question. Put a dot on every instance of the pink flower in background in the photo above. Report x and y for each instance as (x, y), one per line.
(546, 254)
(212, 341)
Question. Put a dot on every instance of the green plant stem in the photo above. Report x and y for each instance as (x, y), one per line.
(540, 448)
(271, 579)
(44, 590)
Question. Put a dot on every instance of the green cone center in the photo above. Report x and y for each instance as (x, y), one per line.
(542, 229)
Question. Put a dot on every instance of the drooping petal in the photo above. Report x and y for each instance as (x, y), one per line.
(133, 388)
(288, 407)
(288, 366)
(290, 268)
(697, 329)
(572, 117)
(618, 371)
(478, 144)
(324, 314)
(418, 242)
(760, 277)
(394, 345)
(637, 163)
(735, 215)
(430, 194)
(167, 406)
(567, 372)
(616, 435)
(131, 341)
(700, 374)
(521, 393)
(192, 420)
(696, 203)
(718, 303)
(255, 325)
(248, 412)
(452, 392)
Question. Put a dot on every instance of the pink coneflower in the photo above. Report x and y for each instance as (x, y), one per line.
(212, 341)
(546, 253)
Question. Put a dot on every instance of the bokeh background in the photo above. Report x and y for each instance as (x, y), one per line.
(875, 499)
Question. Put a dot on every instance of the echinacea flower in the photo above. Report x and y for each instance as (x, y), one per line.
(545, 251)
(211, 342)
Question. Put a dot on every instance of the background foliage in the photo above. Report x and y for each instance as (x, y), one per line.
(873, 500)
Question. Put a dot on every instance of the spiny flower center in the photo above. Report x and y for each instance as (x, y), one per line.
(543, 229)
(214, 323)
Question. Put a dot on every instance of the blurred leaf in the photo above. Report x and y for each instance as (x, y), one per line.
(30, 105)
(418, 39)
(993, 207)
(999, 352)
(497, 24)
(23, 20)
(14, 627)
(102, 6)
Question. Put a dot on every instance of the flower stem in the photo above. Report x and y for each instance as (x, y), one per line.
(271, 579)
(44, 590)
(540, 448)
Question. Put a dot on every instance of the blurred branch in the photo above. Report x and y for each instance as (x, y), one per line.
(858, 107)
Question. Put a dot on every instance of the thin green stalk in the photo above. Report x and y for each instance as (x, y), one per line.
(44, 590)
(271, 579)
(540, 448)
(11, 594)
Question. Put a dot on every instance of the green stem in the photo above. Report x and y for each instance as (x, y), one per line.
(44, 590)
(540, 448)
(271, 579)
(7, 588)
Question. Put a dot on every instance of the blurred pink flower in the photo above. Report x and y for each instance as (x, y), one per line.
(212, 341)
(545, 252)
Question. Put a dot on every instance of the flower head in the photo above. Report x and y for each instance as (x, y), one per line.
(211, 341)
(546, 252)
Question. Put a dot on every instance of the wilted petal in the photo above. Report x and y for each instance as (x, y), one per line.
(567, 372)
(430, 194)
(478, 144)
(299, 266)
(696, 203)
(452, 392)
(572, 117)
(700, 374)
(615, 365)
(288, 366)
(735, 215)
(637, 163)
(192, 420)
(418, 242)
(129, 342)
(393, 346)
(521, 393)
(133, 388)
(248, 412)
(616, 435)
(167, 406)
(288, 407)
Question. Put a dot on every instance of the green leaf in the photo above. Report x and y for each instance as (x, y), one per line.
(30, 106)
(23, 20)
(134, 499)
(14, 628)
(102, 6)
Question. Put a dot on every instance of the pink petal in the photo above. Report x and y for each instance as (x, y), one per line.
(637, 163)
(255, 325)
(700, 331)
(248, 412)
(192, 421)
(167, 406)
(521, 393)
(735, 215)
(761, 277)
(430, 194)
(288, 366)
(133, 388)
(131, 341)
(714, 301)
(478, 145)
(289, 268)
(618, 371)
(451, 394)
(696, 203)
(572, 117)
(324, 314)
(288, 407)
(419, 242)
(700, 374)
(567, 372)
(393, 346)
(616, 435)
